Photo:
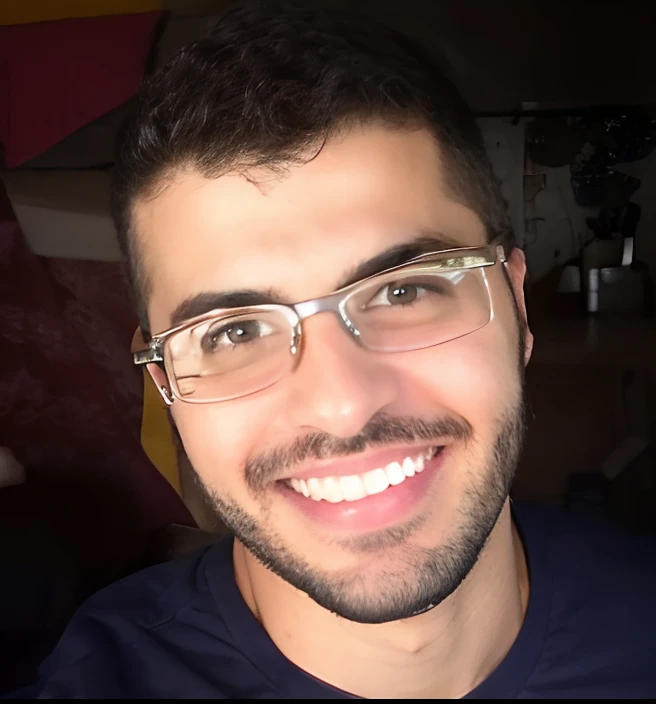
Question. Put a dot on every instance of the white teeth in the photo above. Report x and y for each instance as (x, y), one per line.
(356, 487)
(300, 485)
(315, 488)
(375, 481)
(395, 473)
(332, 490)
(409, 466)
(353, 488)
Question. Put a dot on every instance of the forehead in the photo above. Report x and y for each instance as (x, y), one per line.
(364, 192)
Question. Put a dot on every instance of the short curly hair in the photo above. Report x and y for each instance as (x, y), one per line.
(274, 80)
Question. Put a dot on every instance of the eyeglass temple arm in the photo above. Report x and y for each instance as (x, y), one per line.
(152, 355)
(464, 254)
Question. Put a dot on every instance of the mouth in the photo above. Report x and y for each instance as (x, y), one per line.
(355, 487)
(377, 498)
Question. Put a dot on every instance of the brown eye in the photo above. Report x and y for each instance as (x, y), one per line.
(401, 293)
(238, 333)
(243, 332)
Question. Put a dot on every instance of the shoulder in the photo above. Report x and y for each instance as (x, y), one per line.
(585, 547)
(602, 612)
(136, 637)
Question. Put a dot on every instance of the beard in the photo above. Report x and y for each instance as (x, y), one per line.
(421, 578)
(424, 577)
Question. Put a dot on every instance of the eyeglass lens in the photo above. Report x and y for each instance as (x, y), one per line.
(225, 358)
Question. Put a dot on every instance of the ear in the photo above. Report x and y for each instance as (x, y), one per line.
(516, 270)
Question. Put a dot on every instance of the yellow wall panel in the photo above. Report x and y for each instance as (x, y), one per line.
(157, 436)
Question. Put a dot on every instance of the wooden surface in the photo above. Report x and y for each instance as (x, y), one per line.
(590, 383)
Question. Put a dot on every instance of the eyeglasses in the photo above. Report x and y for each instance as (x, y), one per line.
(233, 352)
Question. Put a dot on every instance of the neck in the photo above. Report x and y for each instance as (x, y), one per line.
(443, 653)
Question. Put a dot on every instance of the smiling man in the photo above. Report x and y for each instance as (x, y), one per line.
(332, 308)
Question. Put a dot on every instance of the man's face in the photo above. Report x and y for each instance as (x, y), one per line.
(344, 410)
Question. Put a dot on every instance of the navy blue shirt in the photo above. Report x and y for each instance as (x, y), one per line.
(182, 629)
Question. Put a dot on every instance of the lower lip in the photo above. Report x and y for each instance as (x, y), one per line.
(390, 507)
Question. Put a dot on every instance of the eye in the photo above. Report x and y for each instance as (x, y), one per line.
(235, 334)
(397, 293)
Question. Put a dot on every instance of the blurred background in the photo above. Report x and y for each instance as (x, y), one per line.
(91, 482)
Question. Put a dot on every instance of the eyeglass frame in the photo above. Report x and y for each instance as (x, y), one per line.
(296, 313)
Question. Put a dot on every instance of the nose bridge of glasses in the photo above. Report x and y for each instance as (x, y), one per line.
(326, 304)
(333, 303)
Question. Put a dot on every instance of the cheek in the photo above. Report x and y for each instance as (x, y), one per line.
(476, 377)
(219, 438)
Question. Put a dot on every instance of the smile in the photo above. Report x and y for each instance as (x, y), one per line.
(368, 493)
(358, 486)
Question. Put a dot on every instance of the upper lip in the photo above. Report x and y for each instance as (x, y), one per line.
(358, 464)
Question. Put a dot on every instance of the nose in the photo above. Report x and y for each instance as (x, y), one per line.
(338, 385)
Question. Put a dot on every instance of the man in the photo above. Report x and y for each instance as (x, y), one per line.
(332, 307)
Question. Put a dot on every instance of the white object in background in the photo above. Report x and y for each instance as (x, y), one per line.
(627, 254)
(593, 290)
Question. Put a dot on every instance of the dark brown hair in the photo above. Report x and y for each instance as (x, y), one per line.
(268, 85)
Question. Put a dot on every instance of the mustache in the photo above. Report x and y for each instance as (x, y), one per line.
(381, 431)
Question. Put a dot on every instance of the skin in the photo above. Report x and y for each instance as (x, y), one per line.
(301, 234)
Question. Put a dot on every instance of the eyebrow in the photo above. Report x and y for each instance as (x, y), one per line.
(424, 242)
